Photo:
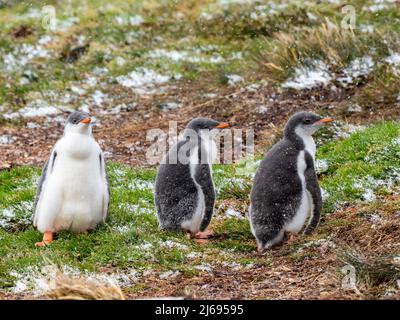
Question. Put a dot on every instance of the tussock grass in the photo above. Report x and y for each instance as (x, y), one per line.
(328, 43)
(372, 271)
(67, 288)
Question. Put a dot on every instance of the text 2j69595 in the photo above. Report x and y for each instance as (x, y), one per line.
(206, 310)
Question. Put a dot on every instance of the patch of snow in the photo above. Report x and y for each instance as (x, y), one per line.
(393, 59)
(7, 139)
(367, 28)
(65, 24)
(307, 77)
(323, 244)
(177, 56)
(324, 194)
(237, 55)
(99, 97)
(232, 265)
(140, 184)
(374, 218)
(263, 109)
(206, 16)
(19, 213)
(210, 95)
(234, 79)
(40, 280)
(205, 267)
(131, 20)
(359, 68)
(143, 80)
(120, 61)
(312, 16)
(98, 71)
(31, 125)
(37, 108)
(253, 87)
(122, 229)
(172, 244)
(321, 165)
(169, 274)
(77, 90)
(45, 39)
(32, 13)
(379, 5)
(91, 81)
(232, 213)
(346, 130)
(85, 108)
(22, 55)
(353, 108)
(136, 208)
(193, 255)
(146, 246)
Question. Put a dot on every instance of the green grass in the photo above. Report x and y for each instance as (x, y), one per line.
(369, 159)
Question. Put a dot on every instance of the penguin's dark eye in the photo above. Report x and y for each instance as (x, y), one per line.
(307, 121)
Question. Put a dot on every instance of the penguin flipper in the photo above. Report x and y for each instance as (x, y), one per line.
(312, 186)
(106, 182)
(46, 171)
(204, 179)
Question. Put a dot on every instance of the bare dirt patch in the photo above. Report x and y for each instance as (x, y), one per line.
(123, 135)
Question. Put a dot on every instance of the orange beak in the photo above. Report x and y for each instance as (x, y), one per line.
(325, 120)
(223, 125)
(86, 120)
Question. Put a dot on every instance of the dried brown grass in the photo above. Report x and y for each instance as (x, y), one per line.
(68, 288)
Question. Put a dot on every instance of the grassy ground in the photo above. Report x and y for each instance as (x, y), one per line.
(136, 65)
(129, 249)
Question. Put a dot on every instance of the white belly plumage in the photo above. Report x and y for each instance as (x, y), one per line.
(305, 208)
(73, 196)
(193, 225)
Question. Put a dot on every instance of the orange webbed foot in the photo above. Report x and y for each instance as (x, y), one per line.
(47, 239)
(203, 235)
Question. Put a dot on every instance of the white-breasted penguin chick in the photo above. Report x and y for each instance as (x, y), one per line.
(184, 189)
(73, 192)
(286, 193)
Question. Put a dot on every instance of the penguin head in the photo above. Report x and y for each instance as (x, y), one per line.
(79, 122)
(305, 123)
(198, 124)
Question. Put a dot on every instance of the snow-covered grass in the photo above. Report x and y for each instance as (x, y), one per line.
(363, 166)
(307, 77)
(145, 81)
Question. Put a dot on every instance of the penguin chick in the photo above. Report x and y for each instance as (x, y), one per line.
(184, 189)
(286, 191)
(73, 192)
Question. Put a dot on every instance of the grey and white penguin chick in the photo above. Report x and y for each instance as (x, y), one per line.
(286, 191)
(184, 189)
(73, 192)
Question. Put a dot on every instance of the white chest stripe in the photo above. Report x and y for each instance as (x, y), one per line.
(306, 204)
(194, 224)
